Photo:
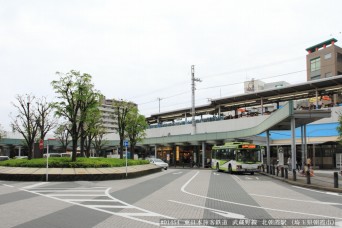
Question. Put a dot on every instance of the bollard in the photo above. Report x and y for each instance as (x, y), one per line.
(286, 173)
(277, 170)
(294, 175)
(335, 179)
(308, 181)
(282, 171)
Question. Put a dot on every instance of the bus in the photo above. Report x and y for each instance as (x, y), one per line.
(242, 157)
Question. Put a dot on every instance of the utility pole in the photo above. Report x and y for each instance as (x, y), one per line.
(159, 99)
(193, 88)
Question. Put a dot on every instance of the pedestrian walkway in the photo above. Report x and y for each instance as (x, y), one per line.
(321, 180)
(75, 174)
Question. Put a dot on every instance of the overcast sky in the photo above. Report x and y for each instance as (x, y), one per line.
(143, 50)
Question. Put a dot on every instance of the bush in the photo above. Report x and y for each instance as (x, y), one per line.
(65, 162)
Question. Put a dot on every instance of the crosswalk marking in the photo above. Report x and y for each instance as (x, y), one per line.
(89, 196)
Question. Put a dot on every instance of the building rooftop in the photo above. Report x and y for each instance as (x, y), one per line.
(320, 45)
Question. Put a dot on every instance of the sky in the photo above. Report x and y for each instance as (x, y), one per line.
(143, 50)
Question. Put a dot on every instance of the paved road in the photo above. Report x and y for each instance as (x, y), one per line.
(171, 194)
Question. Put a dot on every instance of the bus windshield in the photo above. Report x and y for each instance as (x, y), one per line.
(247, 156)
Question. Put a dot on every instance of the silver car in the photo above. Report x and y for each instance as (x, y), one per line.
(159, 162)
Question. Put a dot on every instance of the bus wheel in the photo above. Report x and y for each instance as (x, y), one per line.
(252, 173)
(230, 169)
(217, 167)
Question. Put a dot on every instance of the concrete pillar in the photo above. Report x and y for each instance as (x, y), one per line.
(203, 154)
(305, 155)
(155, 151)
(293, 143)
(268, 148)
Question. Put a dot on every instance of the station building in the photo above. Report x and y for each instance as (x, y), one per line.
(171, 137)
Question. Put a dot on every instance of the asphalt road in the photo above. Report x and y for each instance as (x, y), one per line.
(204, 198)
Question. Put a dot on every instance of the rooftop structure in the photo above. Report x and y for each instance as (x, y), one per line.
(324, 60)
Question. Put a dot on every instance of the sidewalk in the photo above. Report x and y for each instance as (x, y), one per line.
(75, 174)
(322, 180)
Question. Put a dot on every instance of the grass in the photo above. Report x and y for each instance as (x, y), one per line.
(65, 162)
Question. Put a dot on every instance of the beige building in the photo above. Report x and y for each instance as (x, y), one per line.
(109, 118)
(324, 60)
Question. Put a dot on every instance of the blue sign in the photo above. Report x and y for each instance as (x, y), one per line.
(125, 143)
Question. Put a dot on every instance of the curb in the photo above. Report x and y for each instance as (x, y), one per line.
(78, 177)
(297, 183)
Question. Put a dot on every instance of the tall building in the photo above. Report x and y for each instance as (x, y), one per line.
(109, 118)
(324, 60)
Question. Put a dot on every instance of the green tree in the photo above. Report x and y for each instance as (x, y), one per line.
(45, 120)
(26, 121)
(93, 127)
(121, 109)
(2, 132)
(63, 136)
(135, 128)
(77, 97)
(99, 142)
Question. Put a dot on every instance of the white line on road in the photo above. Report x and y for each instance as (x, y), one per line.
(306, 201)
(102, 208)
(8, 185)
(177, 173)
(236, 178)
(251, 206)
(223, 213)
(69, 190)
(74, 194)
(35, 185)
(329, 193)
(90, 200)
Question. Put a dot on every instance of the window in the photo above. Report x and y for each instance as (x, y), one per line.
(316, 77)
(327, 75)
(327, 56)
(339, 57)
(315, 64)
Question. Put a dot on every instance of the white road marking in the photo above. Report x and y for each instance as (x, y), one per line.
(99, 207)
(177, 173)
(329, 193)
(246, 205)
(220, 212)
(74, 194)
(8, 185)
(236, 178)
(70, 190)
(216, 174)
(306, 201)
(257, 178)
(35, 185)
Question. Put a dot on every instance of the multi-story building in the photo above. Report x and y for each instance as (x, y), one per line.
(324, 60)
(107, 109)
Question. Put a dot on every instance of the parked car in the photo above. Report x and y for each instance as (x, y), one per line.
(52, 155)
(159, 162)
(20, 157)
(4, 158)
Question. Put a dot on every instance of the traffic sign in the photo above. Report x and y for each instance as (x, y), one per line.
(125, 143)
(41, 144)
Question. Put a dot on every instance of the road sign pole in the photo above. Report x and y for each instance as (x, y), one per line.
(47, 161)
(126, 161)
